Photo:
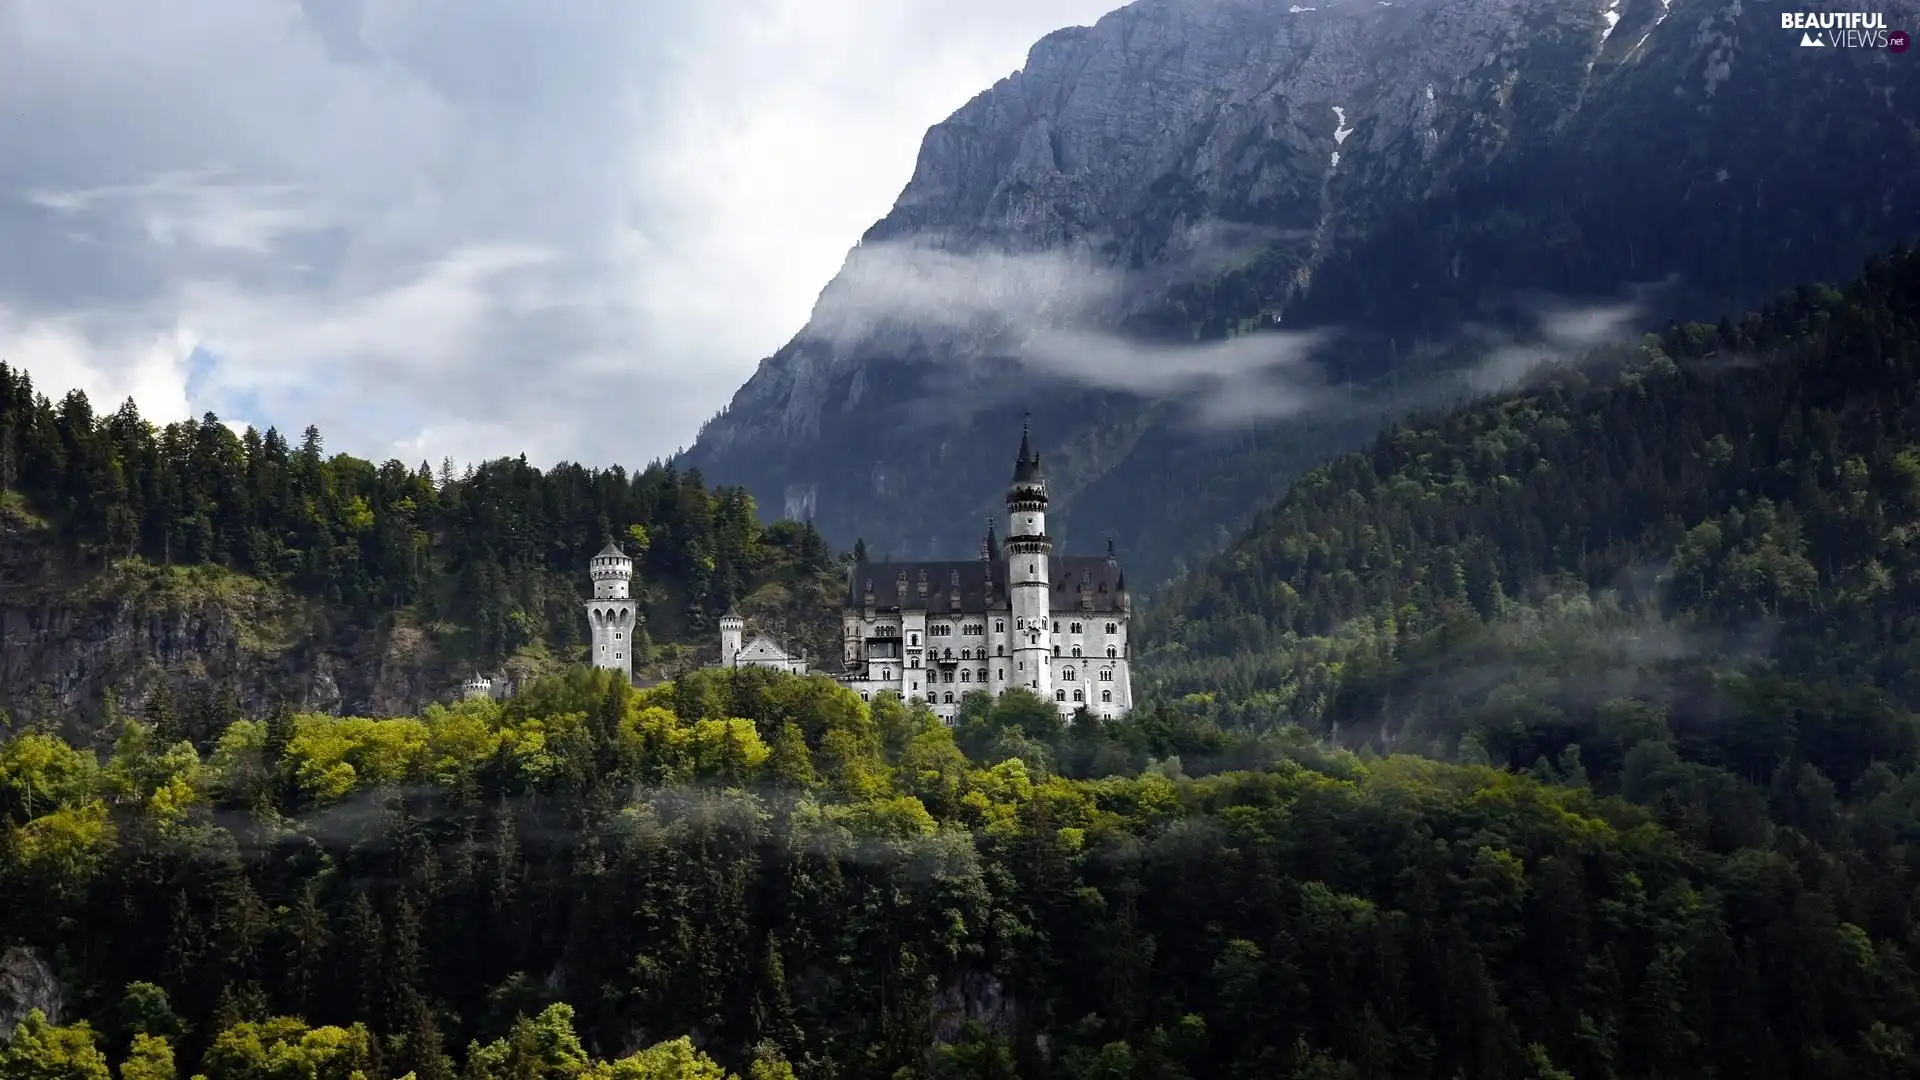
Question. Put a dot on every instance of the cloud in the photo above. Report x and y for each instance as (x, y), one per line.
(466, 228)
(1048, 311)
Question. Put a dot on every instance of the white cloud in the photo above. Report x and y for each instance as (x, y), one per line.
(466, 227)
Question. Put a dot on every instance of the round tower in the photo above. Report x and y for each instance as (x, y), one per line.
(612, 614)
(1028, 582)
(732, 629)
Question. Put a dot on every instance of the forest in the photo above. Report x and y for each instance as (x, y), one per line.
(493, 557)
(759, 875)
(1716, 526)
(1566, 735)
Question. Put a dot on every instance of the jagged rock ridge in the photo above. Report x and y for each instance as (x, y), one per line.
(1200, 169)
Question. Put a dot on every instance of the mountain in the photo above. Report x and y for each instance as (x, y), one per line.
(1207, 244)
(1712, 532)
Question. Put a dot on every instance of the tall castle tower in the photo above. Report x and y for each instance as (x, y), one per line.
(732, 629)
(611, 613)
(1028, 582)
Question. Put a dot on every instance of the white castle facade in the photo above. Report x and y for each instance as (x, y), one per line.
(1014, 616)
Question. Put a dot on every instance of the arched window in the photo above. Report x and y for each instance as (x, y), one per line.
(1074, 628)
(999, 650)
(864, 696)
(1059, 695)
(948, 700)
(1000, 673)
(966, 654)
(1113, 628)
(1076, 650)
(949, 654)
(965, 675)
(1056, 650)
(983, 674)
(1106, 696)
(914, 639)
(1106, 675)
(1067, 674)
(946, 676)
(1079, 695)
(999, 626)
(1112, 653)
(1056, 627)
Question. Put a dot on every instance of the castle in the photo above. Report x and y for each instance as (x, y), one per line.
(1014, 616)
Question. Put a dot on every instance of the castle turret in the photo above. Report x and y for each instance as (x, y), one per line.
(1028, 581)
(612, 614)
(732, 629)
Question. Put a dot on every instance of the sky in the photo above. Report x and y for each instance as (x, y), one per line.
(456, 228)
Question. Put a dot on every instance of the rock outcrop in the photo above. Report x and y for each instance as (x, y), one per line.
(27, 984)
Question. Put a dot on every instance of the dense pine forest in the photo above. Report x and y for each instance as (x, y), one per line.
(1567, 735)
(491, 560)
(1717, 525)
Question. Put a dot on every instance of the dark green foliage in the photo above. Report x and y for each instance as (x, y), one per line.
(499, 552)
(1713, 530)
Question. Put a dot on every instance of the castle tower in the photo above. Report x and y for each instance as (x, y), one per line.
(1028, 582)
(612, 614)
(732, 629)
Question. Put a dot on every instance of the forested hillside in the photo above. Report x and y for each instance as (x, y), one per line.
(487, 565)
(1715, 530)
(761, 873)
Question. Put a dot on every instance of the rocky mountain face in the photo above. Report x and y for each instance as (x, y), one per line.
(1207, 243)
(70, 636)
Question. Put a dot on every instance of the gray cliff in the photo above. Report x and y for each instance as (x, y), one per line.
(1195, 172)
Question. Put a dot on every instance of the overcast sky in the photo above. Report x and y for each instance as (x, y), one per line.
(462, 228)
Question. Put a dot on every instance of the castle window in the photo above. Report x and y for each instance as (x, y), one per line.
(1056, 627)
(619, 656)
(1113, 628)
(949, 654)
(914, 639)
(983, 674)
(1059, 695)
(617, 635)
(1073, 628)
(1056, 650)
(946, 676)
(948, 700)
(966, 654)
(999, 650)
(1106, 675)
(1112, 653)
(916, 686)
(1079, 695)
(999, 626)
(1106, 696)
(864, 696)
(966, 676)
(603, 647)
(1067, 674)
(1076, 650)
(999, 673)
